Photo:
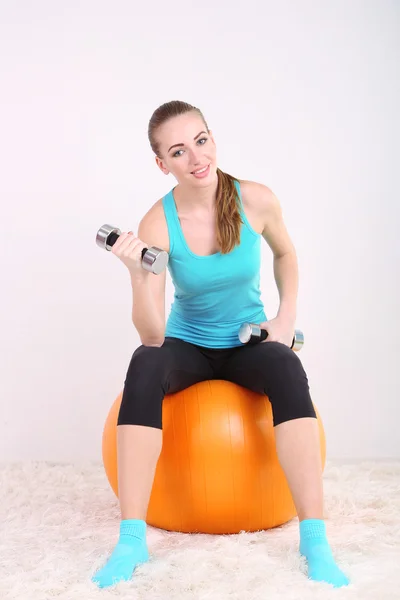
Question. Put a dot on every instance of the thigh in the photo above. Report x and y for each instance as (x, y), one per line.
(156, 371)
(174, 366)
(262, 367)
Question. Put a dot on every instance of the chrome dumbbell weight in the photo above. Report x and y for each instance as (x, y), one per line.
(154, 259)
(250, 333)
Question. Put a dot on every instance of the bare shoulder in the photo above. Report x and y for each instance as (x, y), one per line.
(259, 202)
(264, 207)
(256, 196)
(153, 229)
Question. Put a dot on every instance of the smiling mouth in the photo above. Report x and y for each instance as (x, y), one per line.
(200, 170)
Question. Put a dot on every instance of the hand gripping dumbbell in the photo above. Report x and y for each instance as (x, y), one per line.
(250, 333)
(154, 259)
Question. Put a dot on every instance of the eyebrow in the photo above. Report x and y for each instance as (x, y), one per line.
(184, 144)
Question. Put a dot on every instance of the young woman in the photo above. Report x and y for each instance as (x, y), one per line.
(211, 224)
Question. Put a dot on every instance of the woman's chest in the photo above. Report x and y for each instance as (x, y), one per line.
(200, 233)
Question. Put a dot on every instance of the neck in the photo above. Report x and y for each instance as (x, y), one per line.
(191, 197)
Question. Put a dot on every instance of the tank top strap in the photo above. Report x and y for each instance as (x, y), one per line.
(176, 241)
(171, 217)
(241, 209)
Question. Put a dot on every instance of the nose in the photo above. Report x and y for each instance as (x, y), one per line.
(195, 157)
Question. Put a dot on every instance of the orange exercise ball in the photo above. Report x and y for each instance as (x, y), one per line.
(218, 471)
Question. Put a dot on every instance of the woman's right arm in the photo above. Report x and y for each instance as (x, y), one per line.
(148, 290)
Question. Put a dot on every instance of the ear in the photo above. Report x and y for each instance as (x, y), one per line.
(160, 164)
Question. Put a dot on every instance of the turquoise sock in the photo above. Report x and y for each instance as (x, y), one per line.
(315, 547)
(130, 551)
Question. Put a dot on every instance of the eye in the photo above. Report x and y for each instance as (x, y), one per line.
(200, 140)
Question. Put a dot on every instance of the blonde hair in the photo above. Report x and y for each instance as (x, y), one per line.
(228, 215)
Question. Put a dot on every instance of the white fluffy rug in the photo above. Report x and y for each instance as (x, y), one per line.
(59, 523)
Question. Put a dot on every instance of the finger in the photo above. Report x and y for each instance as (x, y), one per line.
(134, 248)
(122, 242)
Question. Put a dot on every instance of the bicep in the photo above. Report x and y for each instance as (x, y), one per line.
(275, 232)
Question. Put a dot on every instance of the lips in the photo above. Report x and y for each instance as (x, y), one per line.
(200, 169)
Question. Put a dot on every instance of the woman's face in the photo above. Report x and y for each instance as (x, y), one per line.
(192, 150)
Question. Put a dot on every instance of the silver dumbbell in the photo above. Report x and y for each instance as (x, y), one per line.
(250, 333)
(154, 259)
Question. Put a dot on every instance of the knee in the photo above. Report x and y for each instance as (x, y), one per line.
(144, 385)
(288, 389)
(286, 363)
(146, 361)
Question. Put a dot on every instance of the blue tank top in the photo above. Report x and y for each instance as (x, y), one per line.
(213, 294)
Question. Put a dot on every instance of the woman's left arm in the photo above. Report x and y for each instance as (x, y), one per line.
(285, 266)
(285, 259)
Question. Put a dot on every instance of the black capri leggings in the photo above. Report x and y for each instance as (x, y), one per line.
(269, 368)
